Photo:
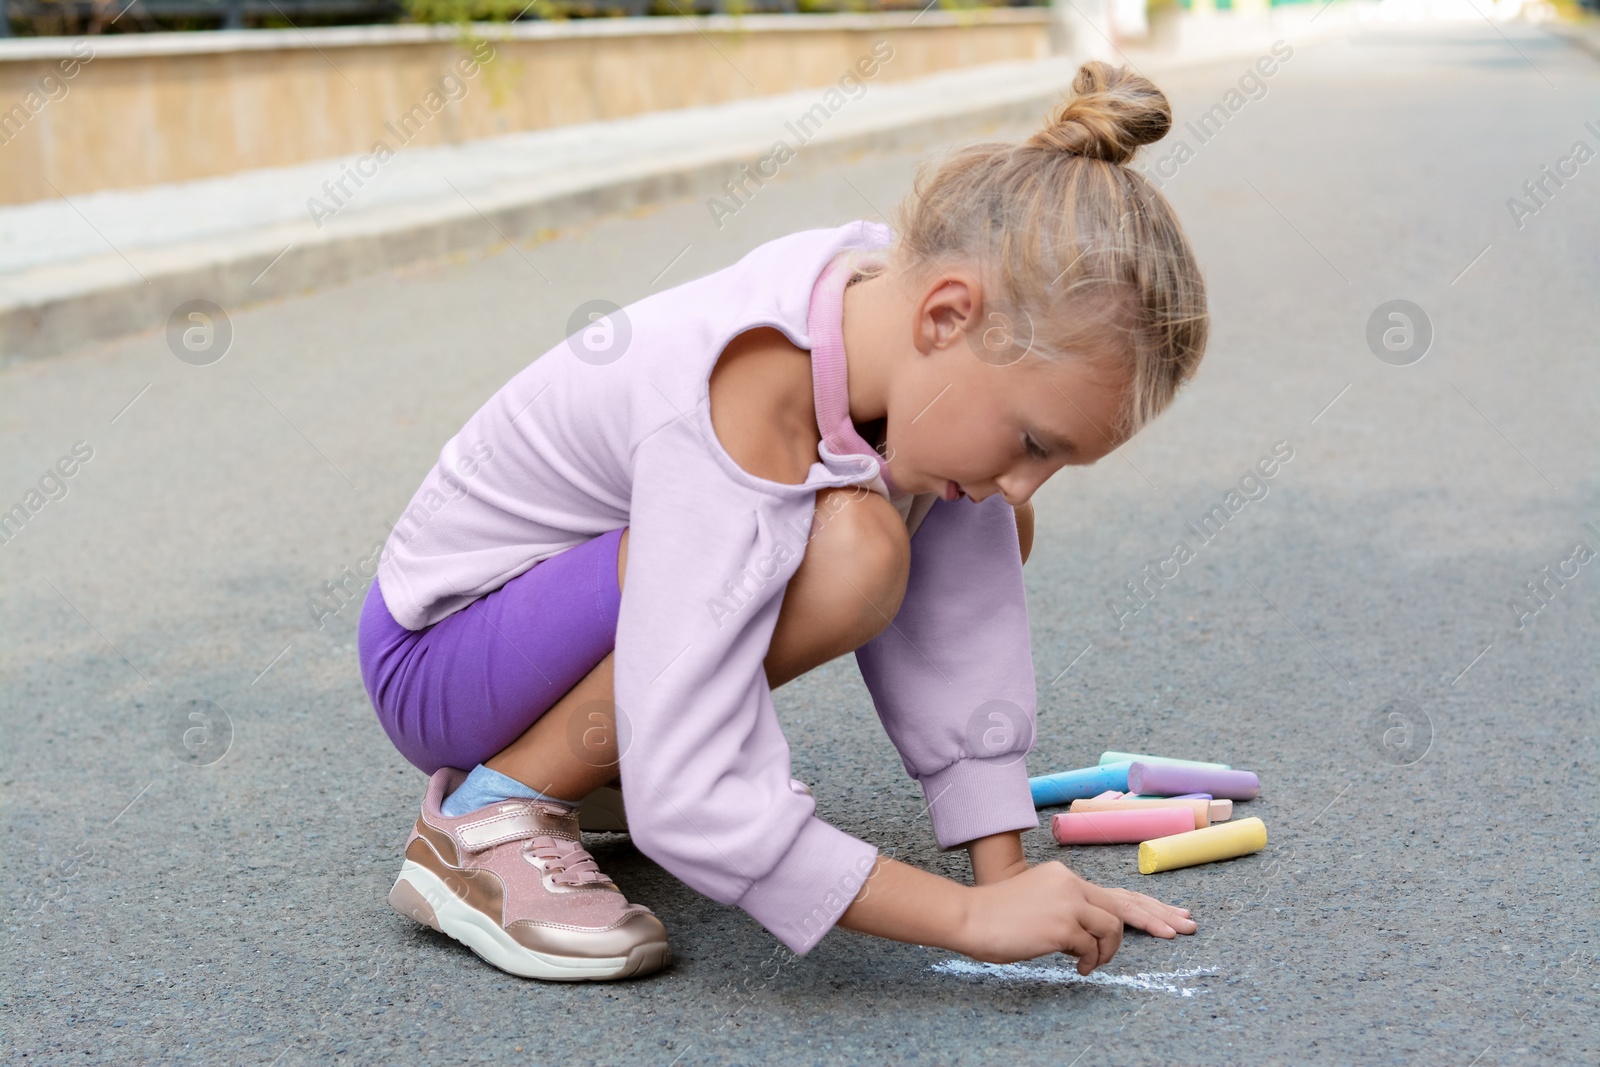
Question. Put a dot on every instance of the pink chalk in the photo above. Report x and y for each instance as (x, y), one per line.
(1120, 827)
(1171, 780)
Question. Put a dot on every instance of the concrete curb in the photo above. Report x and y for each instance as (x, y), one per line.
(57, 308)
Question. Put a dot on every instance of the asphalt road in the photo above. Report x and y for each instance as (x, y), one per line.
(1428, 895)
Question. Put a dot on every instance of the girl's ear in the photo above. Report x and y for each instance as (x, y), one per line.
(948, 311)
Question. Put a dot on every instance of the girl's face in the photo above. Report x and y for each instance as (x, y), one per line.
(990, 421)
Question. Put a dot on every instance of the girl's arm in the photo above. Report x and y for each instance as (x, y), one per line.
(996, 857)
(1040, 911)
(1044, 909)
(953, 679)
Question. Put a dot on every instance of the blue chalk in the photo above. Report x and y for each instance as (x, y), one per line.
(1079, 784)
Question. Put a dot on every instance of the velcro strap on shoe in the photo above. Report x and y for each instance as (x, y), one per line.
(513, 822)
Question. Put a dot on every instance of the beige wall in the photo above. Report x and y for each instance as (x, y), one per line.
(140, 110)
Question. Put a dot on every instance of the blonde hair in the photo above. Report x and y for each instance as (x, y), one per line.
(1071, 241)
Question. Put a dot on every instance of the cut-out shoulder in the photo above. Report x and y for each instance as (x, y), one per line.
(763, 407)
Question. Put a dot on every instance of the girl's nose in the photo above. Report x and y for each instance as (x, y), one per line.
(1018, 488)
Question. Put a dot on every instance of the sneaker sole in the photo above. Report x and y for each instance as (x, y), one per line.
(420, 895)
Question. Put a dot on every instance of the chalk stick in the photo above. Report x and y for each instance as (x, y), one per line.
(1199, 810)
(1220, 810)
(1167, 780)
(1163, 796)
(1119, 827)
(1079, 784)
(1137, 757)
(1203, 846)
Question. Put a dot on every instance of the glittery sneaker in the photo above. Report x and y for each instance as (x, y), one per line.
(512, 882)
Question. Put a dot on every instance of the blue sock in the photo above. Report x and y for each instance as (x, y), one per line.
(484, 787)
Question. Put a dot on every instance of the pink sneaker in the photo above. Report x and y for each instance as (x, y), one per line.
(513, 883)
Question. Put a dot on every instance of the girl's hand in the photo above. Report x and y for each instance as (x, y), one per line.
(1049, 908)
(1149, 914)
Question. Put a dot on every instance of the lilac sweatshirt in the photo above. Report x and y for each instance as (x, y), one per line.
(623, 437)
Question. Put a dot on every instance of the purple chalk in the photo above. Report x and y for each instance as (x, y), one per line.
(1168, 779)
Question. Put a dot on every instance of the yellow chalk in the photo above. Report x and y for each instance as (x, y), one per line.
(1219, 842)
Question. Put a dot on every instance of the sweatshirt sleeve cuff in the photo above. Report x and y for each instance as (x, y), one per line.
(802, 898)
(973, 798)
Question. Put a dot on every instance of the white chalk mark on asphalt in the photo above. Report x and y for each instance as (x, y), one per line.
(1157, 982)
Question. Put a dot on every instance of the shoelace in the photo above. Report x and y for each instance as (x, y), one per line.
(573, 864)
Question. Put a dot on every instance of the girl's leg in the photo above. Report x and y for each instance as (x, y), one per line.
(848, 586)
(455, 693)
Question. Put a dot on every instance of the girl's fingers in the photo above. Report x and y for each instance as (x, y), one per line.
(1083, 945)
(1151, 915)
(1106, 928)
(1147, 920)
(1160, 905)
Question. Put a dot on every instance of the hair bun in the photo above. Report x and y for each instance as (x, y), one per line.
(1111, 113)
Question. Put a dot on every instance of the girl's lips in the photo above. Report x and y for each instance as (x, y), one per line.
(952, 491)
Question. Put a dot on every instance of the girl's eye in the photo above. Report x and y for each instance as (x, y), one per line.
(1034, 449)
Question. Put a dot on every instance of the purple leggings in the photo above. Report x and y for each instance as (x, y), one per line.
(455, 693)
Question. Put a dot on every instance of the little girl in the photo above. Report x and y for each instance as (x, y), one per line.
(828, 446)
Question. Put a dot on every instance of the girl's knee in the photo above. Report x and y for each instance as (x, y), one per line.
(862, 537)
